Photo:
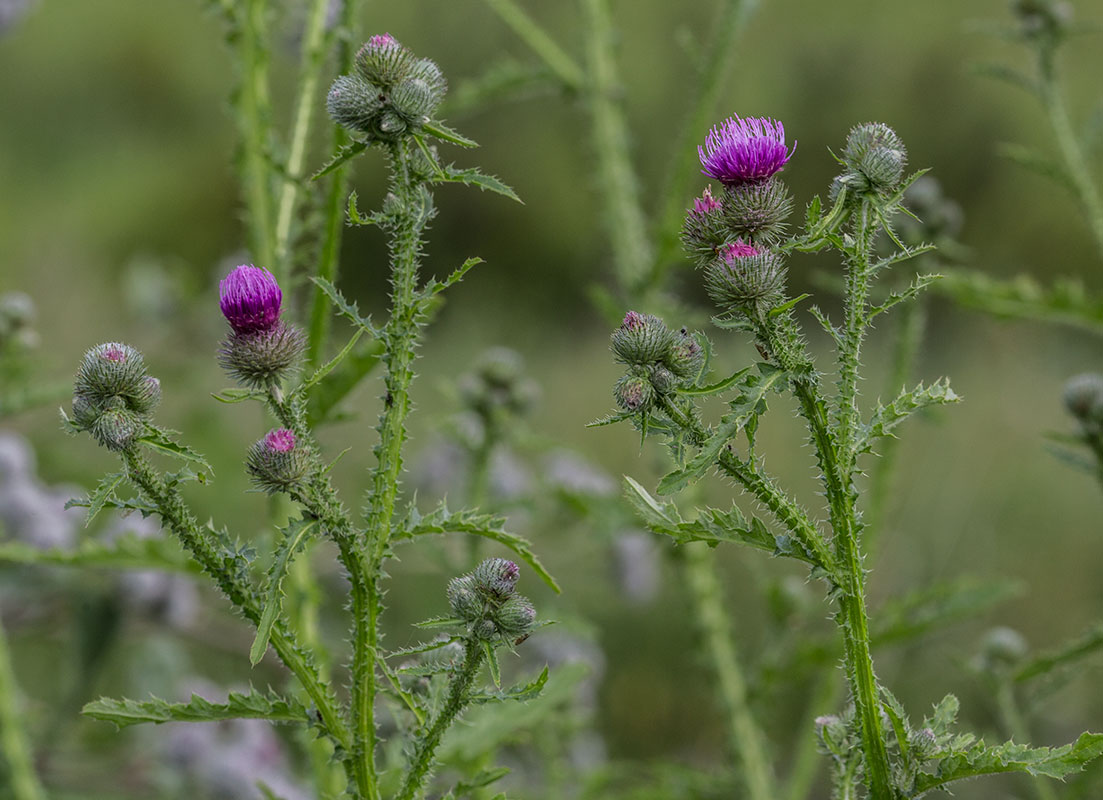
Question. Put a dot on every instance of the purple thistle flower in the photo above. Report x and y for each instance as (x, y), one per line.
(706, 203)
(738, 249)
(281, 440)
(113, 353)
(381, 40)
(250, 299)
(633, 320)
(744, 150)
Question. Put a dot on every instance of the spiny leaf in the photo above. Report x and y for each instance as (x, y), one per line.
(126, 552)
(101, 495)
(489, 526)
(435, 287)
(753, 386)
(713, 388)
(231, 396)
(329, 366)
(473, 177)
(981, 759)
(1065, 301)
(441, 131)
(484, 778)
(1088, 643)
(521, 693)
(424, 647)
(920, 283)
(253, 705)
(346, 153)
(492, 662)
(885, 419)
(295, 537)
(161, 441)
(348, 310)
(610, 419)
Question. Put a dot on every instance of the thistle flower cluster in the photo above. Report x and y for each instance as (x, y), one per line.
(261, 349)
(114, 396)
(486, 600)
(874, 159)
(278, 461)
(391, 94)
(498, 386)
(659, 360)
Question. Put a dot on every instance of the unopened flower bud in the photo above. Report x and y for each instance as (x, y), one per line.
(663, 380)
(464, 599)
(149, 396)
(116, 429)
(413, 101)
(110, 369)
(746, 278)
(874, 158)
(260, 350)
(1002, 647)
(383, 62)
(354, 103)
(757, 211)
(496, 577)
(1084, 396)
(516, 616)
(705, 228)
(634, 393)
(686, 355)
(486, 630)
(85, 411)
(642, 339)
(277, 462)
(1043, 17)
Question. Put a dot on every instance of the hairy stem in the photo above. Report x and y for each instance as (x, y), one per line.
(313, 60)
(1076, 165)
(22, 782)
(255, 114)
(626, 222)
(458, 697)
(746, 740)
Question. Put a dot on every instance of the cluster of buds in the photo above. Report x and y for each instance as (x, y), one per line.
(732, 237)
(873, 159)
(498, 386)
(392, 93)
(486, 599)
(659, 360)
(16, 318)
(261, 349)
(278, 461)
(114, 395)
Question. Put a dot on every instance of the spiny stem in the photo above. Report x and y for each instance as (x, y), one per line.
(255, 113)
(1076, 165)
(313, 59)
(458, 697)
(22, 781)
(626, 223)
(745, 735)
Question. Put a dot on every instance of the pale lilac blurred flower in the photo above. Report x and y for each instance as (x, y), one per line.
(31, 512)
(163, 596)
(636, 561)
(570, 472)
(11, 11)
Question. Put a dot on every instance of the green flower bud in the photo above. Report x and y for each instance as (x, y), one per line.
(354, 103)
(663, 380)
(874, 158)
(413, 101)
(756, 212)
(496, 577)
(1002, 648)
(746, 278)
(148, 398)
(1084, 396)
(486, 630)
(464, 598)
(642, 339)
(515, 617)
(262, 358)
(85, 411)
(116, 429)
(686, 356)
(426, 71)
(278, 462)
(634, 393)
(111, 369)
(382, 61)
(389, 125)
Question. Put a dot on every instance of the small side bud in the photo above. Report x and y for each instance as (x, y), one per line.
(874, 158)
(110, 369)
(1083, 397)
(642, 339)
(663, 380)
(464, 599)
(277, 462)
(496, 577)
(634, 393)
(116, 429)
(686, 355)
(516, 616)
(757, 212)
(486, 630)
(354, 103)
(149, 396)
(413, 101)
(705, 228)
(746, 278)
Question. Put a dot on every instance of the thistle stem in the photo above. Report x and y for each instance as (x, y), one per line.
(22, 781)
(458, 698)
(255, 112)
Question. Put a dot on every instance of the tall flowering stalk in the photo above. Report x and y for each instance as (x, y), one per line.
(388, 103)
(739, 240)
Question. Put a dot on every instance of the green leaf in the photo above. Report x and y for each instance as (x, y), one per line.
(713, 388)
(885, 419)
(435, 287)
(159, 440)
(329, 366)
(610, 419)
(424, 647)
(934, 607)
(1086, 644)
(520, 693)
(346, 153)
(231, 396)
(920, 283)
(753, 386)
(484, 778)
(489, 526)
(443, 132)
(101, 495)
(473, 177)
(492, 662)
(1065, 301)
(981, 759)
(126, 552)
(789, 304)
(338, 384)
(252, 705)
(441, 622)
(348, 310)
(295, 537)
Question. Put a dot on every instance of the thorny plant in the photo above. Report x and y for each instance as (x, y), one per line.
(388, 102)
(738, 238)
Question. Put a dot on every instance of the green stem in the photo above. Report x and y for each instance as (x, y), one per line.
(175, 516)
(1015, 727)
(718, 64)
(562, 65)
(336, 196)
(746, 740)
(256, 120)
(23, 783)
(313, 60)
(1076, 165)
(458, 697)
(626, 222)
(806, 762)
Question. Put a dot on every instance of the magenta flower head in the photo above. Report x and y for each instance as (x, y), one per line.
(747, 150)
(738, 249)
(250, 299)
(706, 203)
(277, 463)
(381, 40)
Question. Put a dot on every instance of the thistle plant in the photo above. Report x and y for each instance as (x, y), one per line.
(388, 103)
(739, 240)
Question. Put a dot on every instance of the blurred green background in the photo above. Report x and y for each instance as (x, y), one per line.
(119, 212)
